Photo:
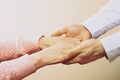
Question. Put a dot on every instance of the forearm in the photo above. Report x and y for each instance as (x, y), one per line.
(19, 68)
(107, 18)
(16, 69)
(37, 60)
(16, 47)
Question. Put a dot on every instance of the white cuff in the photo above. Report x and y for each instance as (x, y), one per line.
(111, 45)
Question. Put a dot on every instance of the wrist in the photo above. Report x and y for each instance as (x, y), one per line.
(37, 60)
(100, 46)
(103, 49)
(85, 30)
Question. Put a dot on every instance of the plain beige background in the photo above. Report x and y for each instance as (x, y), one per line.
(36, 17)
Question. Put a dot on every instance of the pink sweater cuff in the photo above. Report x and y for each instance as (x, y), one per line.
(30, 44)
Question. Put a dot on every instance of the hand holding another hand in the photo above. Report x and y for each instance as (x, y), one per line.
(68, 50)
(89, 50)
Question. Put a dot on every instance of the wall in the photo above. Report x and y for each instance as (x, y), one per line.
(36, 17)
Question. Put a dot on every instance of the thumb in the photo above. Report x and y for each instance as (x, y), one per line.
(72, 56)
(72, 61)
(59, 32)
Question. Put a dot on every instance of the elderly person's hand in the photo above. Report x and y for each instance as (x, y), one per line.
(55, 50)
(74, 31)
(88, 51)
(45, 42)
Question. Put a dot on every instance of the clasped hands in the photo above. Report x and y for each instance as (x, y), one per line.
(72, 44)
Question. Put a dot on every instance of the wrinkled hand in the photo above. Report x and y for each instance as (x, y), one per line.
(49, 41)
(74, 31)
(57, 53)
(89, 51)
(55, 50)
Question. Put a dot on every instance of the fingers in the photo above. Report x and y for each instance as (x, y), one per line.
(59, 32)
(88, 51)
(73, 56)
(72, 61)
(79, 50)
(77, 59)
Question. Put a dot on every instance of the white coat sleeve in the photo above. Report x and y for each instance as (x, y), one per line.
(106, 18)
(111, 45)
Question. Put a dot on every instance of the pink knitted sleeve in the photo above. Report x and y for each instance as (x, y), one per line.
(16, 69)
(16, 47)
